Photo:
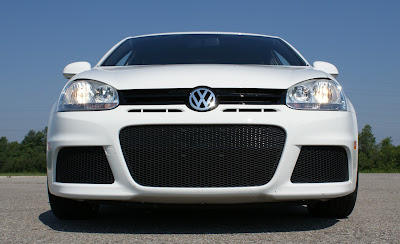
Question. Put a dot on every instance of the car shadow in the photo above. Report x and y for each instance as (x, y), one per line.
(128, 220)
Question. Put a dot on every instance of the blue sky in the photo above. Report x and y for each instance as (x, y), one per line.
(38, 38)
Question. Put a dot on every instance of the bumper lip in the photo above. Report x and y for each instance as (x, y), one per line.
(232, 195)
(319, 128)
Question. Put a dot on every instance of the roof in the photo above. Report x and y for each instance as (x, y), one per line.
(203, 32)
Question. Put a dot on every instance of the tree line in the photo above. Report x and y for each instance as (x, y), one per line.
(30, 155)
(25, 157)
(377, 157)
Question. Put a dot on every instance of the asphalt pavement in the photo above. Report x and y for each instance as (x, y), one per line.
(26, 218)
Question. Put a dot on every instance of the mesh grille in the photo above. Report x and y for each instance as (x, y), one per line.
(202, 155)
(321, 164)
(83, 165)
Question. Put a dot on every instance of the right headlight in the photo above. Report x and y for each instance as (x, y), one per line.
(321, 94)
(83, 95)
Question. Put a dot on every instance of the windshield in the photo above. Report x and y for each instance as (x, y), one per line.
(203, 49)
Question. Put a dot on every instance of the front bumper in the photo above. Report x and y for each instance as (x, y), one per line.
(101, 128)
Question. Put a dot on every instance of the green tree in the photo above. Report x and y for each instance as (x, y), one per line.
(373, 157)
(367, 141)
(388, 154)
(35, 138)
(3, 151)
(367, 153)
(27, 156)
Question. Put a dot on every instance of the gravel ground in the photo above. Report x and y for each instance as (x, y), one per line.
(26, 218)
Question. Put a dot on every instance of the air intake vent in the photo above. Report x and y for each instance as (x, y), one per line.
(248, 110)
(321, 164)
(155, 110)
(83, 165)
(202, 155)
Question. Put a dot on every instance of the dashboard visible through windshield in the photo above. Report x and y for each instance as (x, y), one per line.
(203, 49)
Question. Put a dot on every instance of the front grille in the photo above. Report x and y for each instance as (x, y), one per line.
(202, 155)
(321, 164)
(240, 96)
(83, 165)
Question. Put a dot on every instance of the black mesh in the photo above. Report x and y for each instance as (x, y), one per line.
(321, 164)
(83, 165)
(202, 155)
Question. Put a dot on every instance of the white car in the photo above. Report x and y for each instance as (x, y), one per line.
(202, 118)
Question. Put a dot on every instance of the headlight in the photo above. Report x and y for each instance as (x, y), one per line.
(87, 95)
(316, 95)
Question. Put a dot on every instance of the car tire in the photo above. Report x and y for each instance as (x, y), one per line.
(64, 208)
(336, 208)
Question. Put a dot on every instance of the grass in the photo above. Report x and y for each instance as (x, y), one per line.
(380, 171)
(23, 174)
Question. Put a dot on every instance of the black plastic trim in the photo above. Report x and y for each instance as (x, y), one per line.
(175, 96)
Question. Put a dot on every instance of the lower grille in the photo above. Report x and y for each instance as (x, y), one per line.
(83, 165)
(321, 164)
(202, 155)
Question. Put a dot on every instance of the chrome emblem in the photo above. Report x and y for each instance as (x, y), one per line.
(202, 99)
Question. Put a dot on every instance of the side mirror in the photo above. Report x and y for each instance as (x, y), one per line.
(75, 68)
(326, 67)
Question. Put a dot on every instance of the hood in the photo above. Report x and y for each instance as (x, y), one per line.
(193, 75)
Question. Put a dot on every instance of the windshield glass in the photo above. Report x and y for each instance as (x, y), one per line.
(203, 49)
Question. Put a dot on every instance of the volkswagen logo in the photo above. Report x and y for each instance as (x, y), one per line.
(202, 99)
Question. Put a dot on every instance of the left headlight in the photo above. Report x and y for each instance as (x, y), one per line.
(87, 95)
(321, 94)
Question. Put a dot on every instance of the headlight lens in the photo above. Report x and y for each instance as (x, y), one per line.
(87, 95)
(316, 95)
